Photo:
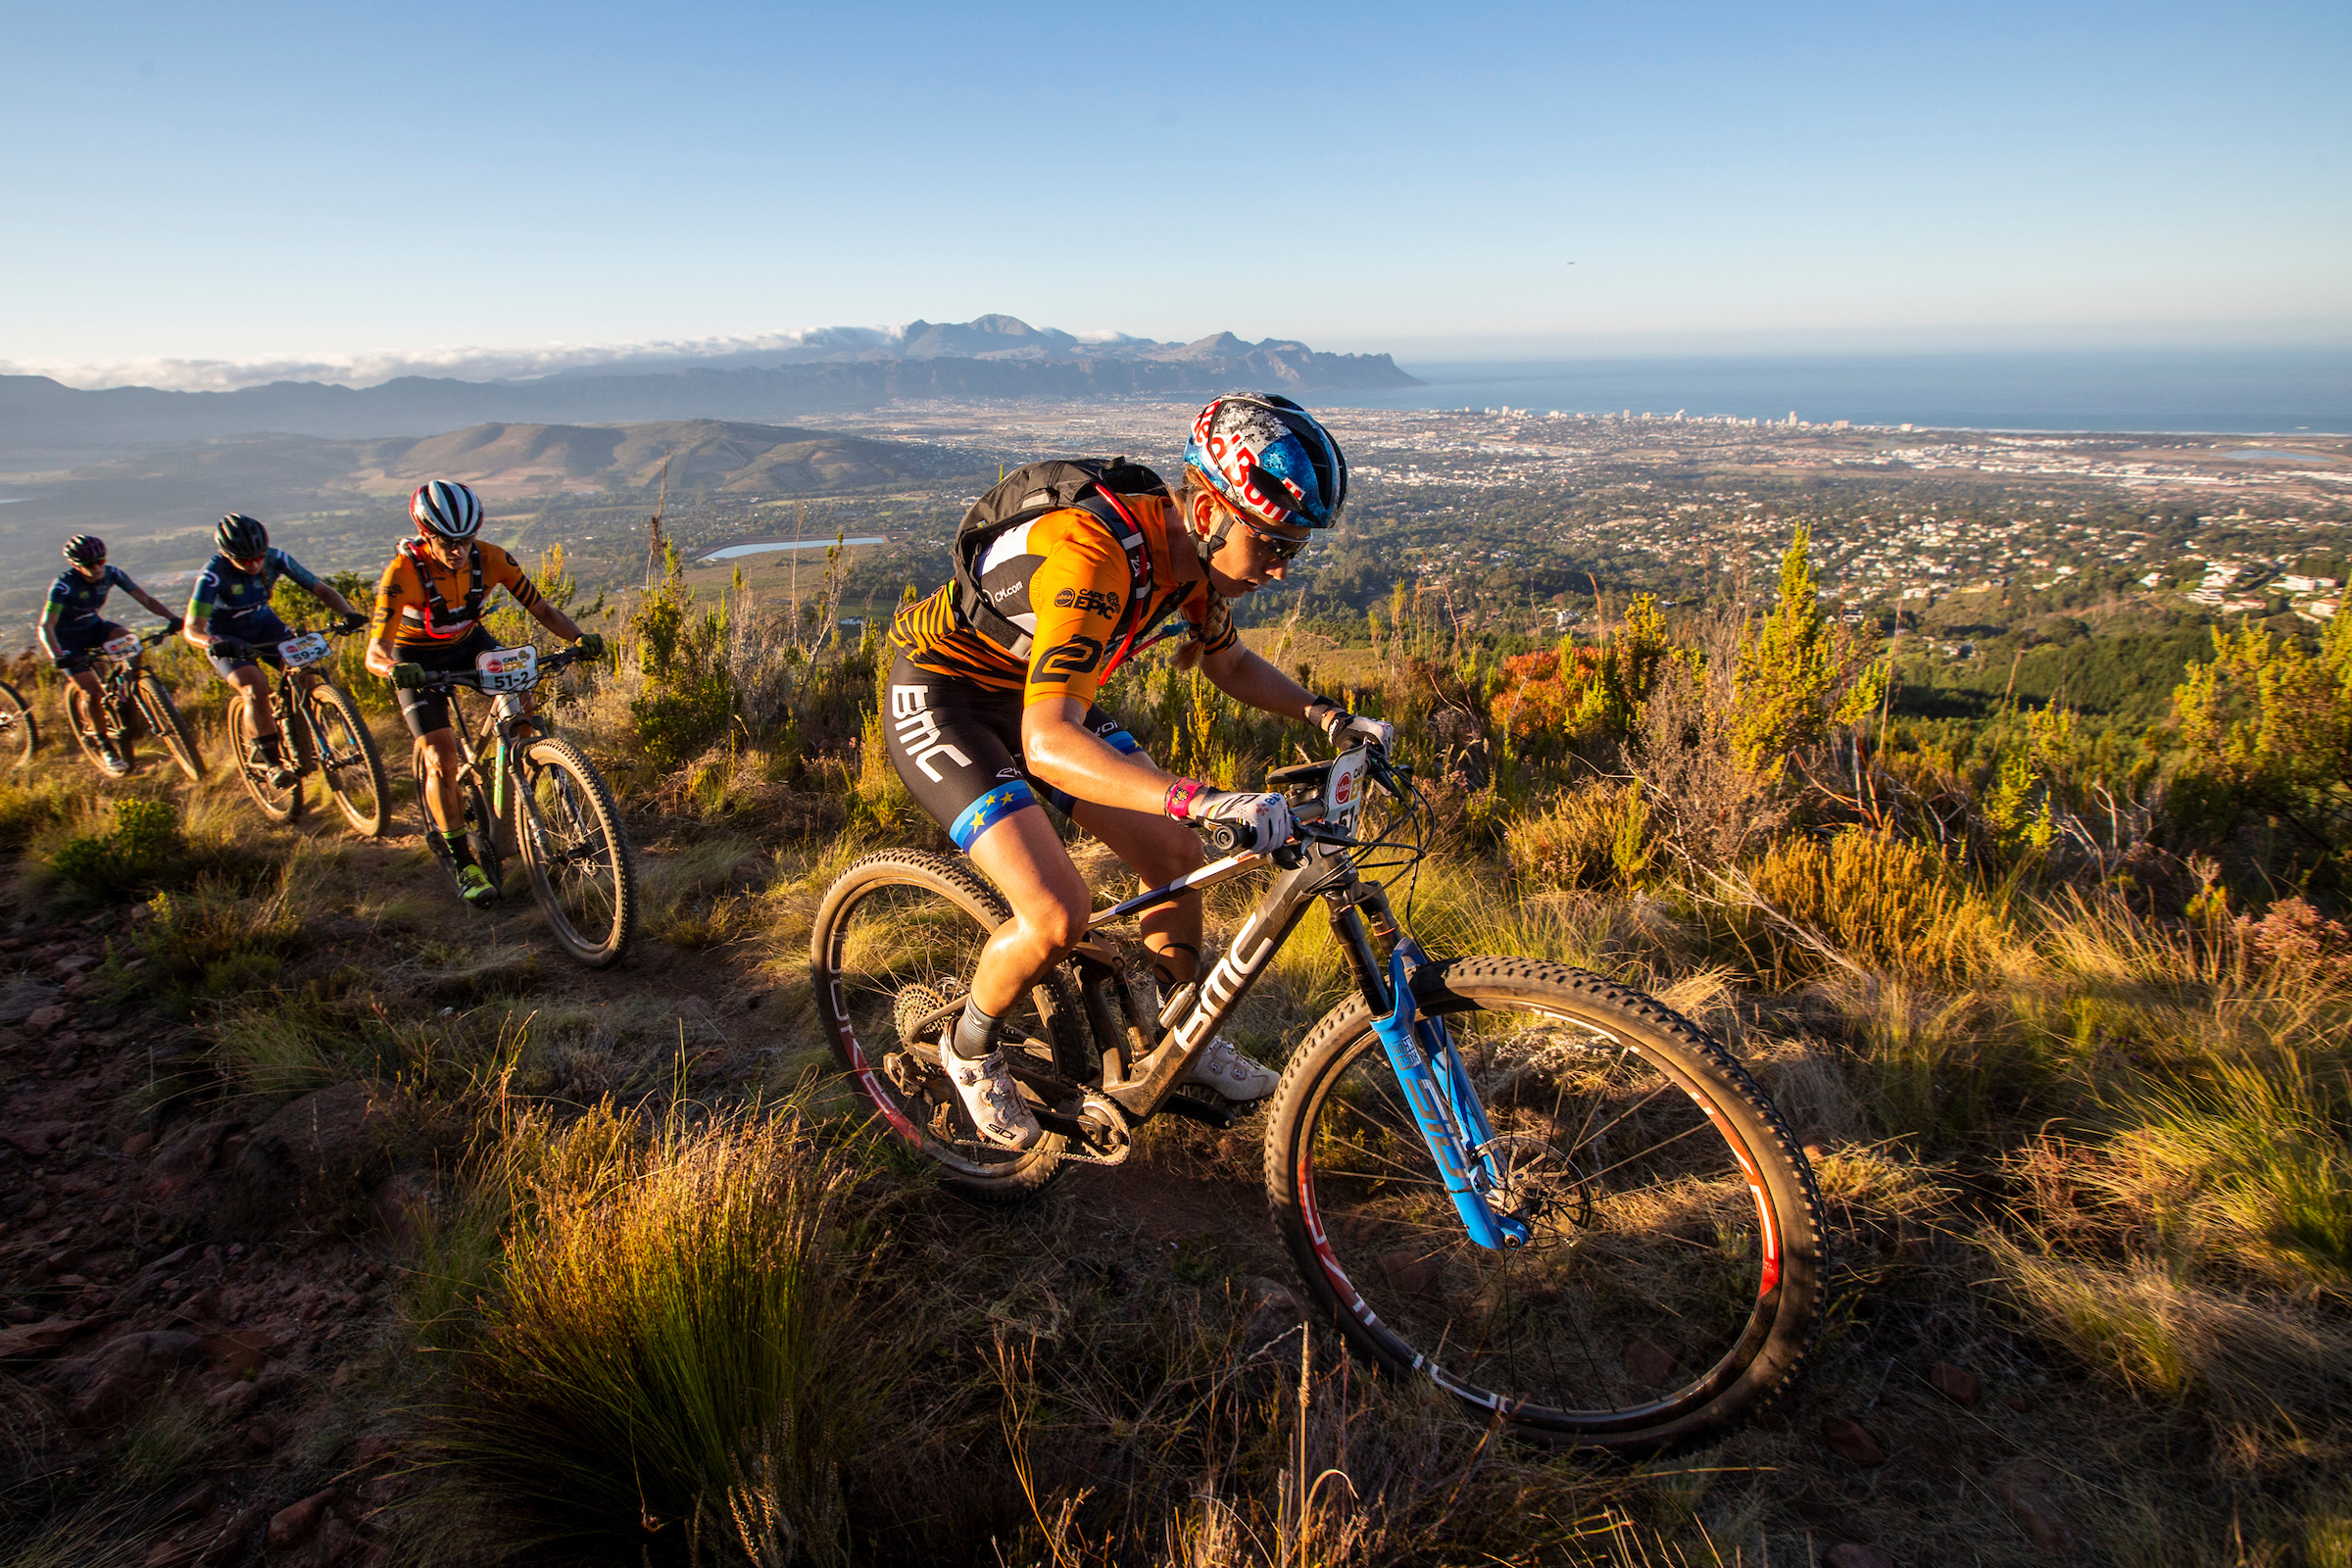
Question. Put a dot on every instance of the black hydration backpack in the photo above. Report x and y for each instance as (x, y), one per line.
(1093, 485)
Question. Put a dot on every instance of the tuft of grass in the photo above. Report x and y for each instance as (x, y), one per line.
(686, 902)
(2168, 1339)
(669, 1355)
(142, 851)
(1888, 904)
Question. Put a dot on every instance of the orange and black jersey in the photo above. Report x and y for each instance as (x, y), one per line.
(437, 619)
(1063, 579)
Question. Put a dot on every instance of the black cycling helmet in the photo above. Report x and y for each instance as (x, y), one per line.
(86, 550)
(447, 508)
(241, 538)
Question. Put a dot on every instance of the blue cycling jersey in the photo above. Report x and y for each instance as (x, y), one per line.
(229, 601)
(75, 600)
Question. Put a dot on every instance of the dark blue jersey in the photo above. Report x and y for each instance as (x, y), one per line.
(75, 600)
(230, 603)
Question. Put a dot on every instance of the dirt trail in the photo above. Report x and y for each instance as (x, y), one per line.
(210, 1278)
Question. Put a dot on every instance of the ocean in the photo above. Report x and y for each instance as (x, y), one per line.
(2230, 391)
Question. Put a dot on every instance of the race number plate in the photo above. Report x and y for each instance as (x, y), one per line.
(508, 669)
(306, 649)
(1343, 790)
(121, 647)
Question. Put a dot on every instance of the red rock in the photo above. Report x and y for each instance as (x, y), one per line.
(124, 1372)
(1848, 1440)
(291, 1526)
(259, 1438)
(241, 1352)
(34, 1338)
(137, 1144)
(1853, 1554)
(202, 1307)
(44, 1019)
(2018, 1403)
(36, 1139)
(2034, 1495)
(75, 963)
(1408, 1272)
(232, 1399)
(1961, 1388)
(1646, 1363)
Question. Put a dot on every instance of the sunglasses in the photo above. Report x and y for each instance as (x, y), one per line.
(1277, 545)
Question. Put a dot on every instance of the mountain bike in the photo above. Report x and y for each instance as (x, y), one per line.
(132, 704)
(20, 732)
(1561, 1204)
(564, 827)
(323, 732)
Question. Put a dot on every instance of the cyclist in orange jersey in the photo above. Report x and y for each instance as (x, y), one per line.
(990, 704)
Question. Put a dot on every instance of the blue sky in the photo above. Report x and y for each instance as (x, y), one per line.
(247, 182)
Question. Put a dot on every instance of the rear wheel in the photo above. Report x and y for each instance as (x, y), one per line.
(349, 761)
(1674, 1281)
(163, 718)
(578, 855)
(19, 734)
(277, 804)
(895, 943)
(477, 826)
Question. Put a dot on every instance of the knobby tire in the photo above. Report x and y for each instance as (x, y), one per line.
(346, 755)
(1677, 1278)
(164, 718)
(569, 836)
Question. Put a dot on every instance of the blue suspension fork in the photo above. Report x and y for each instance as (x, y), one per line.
(1436, 1086)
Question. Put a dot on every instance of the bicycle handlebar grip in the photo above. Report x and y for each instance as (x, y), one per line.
(1224, 837)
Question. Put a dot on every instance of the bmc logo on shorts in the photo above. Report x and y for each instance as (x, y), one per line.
(1092, 600)
(916, 731)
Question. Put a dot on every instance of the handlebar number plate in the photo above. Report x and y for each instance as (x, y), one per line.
(508, 669)
(306, 649)
(121, 647)
(1343, 786)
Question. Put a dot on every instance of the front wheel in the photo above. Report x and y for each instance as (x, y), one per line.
(582, 869)
(1674, 1280)
(348, 760)
(277, 804)
(19, 734)
(163, 718)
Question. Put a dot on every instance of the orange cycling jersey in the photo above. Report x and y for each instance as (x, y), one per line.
(437, 606)
(1065, 580)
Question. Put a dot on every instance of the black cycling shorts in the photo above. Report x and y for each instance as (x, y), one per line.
(77, 646)
(957, 744)
(427, 712)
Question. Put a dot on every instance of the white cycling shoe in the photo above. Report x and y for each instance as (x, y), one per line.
(1234, 1076)
(991, 1098)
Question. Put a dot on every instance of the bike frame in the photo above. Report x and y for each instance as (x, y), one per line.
(118, 685)
(1420, 1049)
(507, 710)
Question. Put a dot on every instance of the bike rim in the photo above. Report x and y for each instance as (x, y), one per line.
(343, 764)
(1654, 1273)
(576, 862)
(898, 952)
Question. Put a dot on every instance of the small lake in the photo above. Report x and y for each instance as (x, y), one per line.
(2268, 455)
(732, 550)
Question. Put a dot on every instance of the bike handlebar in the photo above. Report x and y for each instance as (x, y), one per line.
(1227, 838)
(472, 681)
(231, 647)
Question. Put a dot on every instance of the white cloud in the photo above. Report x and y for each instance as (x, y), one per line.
(464, 364)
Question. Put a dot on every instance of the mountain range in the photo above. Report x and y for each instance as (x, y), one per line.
(838, 369)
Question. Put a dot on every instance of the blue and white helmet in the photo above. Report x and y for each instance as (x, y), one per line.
(1270, 458)
(446, 508)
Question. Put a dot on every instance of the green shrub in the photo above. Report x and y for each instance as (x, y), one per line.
(140, 853)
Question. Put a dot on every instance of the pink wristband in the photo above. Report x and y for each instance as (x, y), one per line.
(1179, 804)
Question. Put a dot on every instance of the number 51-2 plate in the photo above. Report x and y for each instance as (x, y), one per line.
(508, 669)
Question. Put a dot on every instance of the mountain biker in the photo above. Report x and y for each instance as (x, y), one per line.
(71, 627)
(972, 727)
(418, 632)
(230, 616)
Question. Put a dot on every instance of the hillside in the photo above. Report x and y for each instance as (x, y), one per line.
(46, 424)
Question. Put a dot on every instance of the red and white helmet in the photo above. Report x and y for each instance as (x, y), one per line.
(447, 508)
(1270, 457)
